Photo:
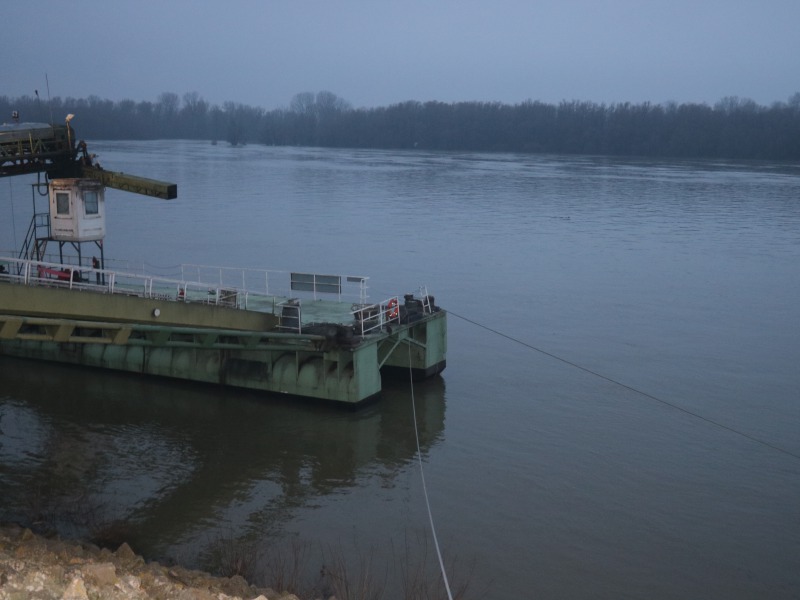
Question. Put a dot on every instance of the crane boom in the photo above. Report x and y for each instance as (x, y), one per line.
(37, 147)
(34, 148)
(131, 183)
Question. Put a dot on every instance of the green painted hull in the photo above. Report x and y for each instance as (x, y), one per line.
(212, 344)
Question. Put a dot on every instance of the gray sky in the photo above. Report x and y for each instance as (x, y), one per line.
(377, 52)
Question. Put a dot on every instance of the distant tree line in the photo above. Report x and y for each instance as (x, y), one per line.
(732, 128)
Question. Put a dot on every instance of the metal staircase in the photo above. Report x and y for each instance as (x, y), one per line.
(35, 244)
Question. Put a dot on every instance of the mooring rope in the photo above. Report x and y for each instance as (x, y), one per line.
(13, 218)
(422, 476)
(738, 432)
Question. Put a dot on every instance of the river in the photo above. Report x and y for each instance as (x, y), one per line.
(620, 412)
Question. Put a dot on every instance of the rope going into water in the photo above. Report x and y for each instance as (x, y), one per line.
(13, 219)
(672, 405)
(422, 476)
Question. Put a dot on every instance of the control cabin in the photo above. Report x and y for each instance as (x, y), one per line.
(77, 210)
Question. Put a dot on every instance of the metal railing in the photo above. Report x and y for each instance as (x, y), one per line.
(349, 288)
(375, 317)
(367, 317)
(70, 276)
(236, 288)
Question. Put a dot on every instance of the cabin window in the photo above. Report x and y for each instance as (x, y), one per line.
(90, 203)
(62, 203)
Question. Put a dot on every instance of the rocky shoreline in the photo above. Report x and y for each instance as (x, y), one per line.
(38, 568)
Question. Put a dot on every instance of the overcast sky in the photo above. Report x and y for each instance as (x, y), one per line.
(380, 52)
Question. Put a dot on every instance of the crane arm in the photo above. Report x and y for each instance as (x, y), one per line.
(131, 183)
(36, 148)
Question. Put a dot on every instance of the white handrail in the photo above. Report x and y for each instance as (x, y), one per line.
(374, 317)
(224, 291)
(368, 317)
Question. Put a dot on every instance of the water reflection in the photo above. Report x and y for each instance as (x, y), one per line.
(678, 278)
(180, 461)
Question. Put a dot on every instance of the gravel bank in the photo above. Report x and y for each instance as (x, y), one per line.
(37, 568)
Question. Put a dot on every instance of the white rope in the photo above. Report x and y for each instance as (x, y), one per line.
(644, 394)
(422, 476)
(13, 218)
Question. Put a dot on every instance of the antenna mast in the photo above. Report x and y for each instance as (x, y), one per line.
(49, 105)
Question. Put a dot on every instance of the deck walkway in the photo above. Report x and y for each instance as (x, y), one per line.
(287, 295)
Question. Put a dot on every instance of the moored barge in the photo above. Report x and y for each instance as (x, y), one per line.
(296, 333)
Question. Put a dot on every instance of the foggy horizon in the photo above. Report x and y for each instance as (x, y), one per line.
(263, 53)
(286, 106)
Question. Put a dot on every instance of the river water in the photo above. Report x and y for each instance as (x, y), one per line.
(620, 412)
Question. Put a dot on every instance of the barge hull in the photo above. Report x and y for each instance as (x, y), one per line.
(44, 324)
(351, 378)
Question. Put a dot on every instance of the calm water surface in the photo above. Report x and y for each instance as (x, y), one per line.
(678, 279)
